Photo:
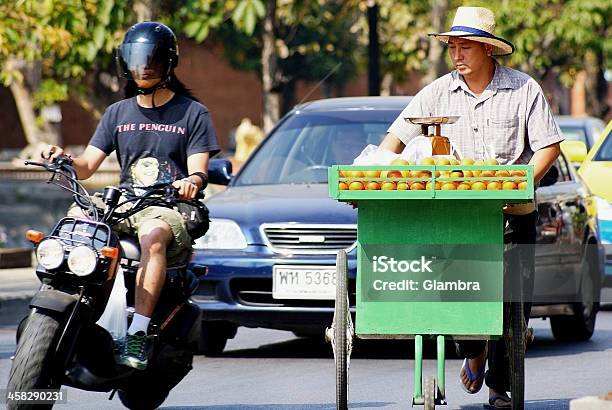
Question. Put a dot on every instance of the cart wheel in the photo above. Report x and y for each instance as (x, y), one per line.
(515, 327)
(429, 393)
(516, 353)
(342, 330)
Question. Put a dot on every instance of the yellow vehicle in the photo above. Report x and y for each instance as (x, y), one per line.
(596, 171)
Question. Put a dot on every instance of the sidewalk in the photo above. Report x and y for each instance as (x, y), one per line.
(18, 283)
(17, 286)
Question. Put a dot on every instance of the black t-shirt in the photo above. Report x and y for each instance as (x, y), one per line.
(153, 144)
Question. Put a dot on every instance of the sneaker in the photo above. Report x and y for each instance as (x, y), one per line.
(134, 351)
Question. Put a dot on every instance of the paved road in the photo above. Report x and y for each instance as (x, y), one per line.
(264, 369)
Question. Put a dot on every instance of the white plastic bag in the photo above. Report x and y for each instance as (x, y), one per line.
(417, 149)
(114, 317)
(374, 155)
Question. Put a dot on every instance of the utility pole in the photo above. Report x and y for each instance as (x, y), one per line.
(373, 50)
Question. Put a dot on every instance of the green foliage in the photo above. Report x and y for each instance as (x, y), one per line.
(311, 37)
(402, 29)
(554, 34)
(67, 38)
(49, 92)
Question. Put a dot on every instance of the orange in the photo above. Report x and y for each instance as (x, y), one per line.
(402, 186)
(493, 185)
(518, 173)
(427, 161)
(373, 173)
(388, 186)
(467, 161)
(354, 174)
(508, 185)
(487, 174)
(468, 174)
(522, 185)
(479, 186)
(491, 161)
(342, 186)
(442, 161)
(413, 174)
(456, 174)
(417, 186)
(502, 173)
(424, 174)
(448, 186)
(463, 187)
(356, 186)
(373, 186)
(391, 174)
(400, 161)
(436, 187)
(341, 173)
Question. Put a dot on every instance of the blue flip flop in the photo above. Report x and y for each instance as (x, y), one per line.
(479, 376)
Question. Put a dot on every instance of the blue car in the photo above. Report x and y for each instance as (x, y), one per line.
(274, 231)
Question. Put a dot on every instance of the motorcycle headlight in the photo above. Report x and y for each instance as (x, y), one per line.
(222, 234)
(82, 260)
(50, 253)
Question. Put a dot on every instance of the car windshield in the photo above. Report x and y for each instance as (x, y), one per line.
(301, 149)
(605, 151)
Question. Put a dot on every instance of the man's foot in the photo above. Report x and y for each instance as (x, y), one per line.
(472, 373)
(499, 400)
(134, 351)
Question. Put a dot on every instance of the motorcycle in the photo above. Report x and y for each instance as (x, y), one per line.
(59, 342)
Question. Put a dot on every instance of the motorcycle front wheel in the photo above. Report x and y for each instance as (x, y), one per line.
(33, 363)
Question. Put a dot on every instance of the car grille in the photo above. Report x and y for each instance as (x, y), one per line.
(309, 239)
(258, 292)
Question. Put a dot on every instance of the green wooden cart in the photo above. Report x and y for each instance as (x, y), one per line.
(438, 239)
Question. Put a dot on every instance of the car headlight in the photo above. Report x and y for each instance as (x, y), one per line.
(82, 260)
(222, 234)
(50, 253)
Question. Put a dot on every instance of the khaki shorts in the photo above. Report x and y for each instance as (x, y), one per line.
(181, 241)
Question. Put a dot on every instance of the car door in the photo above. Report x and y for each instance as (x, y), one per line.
(548, 229)
(562, 215)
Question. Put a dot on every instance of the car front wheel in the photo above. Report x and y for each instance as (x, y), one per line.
(580, 326)
(214, 337)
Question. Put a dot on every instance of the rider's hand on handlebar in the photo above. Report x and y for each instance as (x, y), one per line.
(51, 152)
(186, 188)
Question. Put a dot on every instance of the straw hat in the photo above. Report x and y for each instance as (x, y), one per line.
(477, 24)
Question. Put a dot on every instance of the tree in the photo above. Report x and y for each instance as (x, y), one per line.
(284, 40)
(560, 38)
(47, 48)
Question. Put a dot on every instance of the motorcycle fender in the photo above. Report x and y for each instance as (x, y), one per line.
(53, 300)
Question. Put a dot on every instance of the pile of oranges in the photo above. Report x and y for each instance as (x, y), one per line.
(445, 180)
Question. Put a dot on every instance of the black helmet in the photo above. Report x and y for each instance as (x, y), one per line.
(149, 50)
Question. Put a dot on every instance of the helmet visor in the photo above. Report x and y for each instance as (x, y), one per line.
(141, 61)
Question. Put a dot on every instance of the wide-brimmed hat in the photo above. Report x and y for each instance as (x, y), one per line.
(477, 24)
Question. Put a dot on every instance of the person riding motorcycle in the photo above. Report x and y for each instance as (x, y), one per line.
(161, 134)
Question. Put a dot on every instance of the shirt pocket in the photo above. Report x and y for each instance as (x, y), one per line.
(503, 139)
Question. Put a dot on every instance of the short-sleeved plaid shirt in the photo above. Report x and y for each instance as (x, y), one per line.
(509, 121)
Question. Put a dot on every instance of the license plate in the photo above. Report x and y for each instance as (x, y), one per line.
(303, 282)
